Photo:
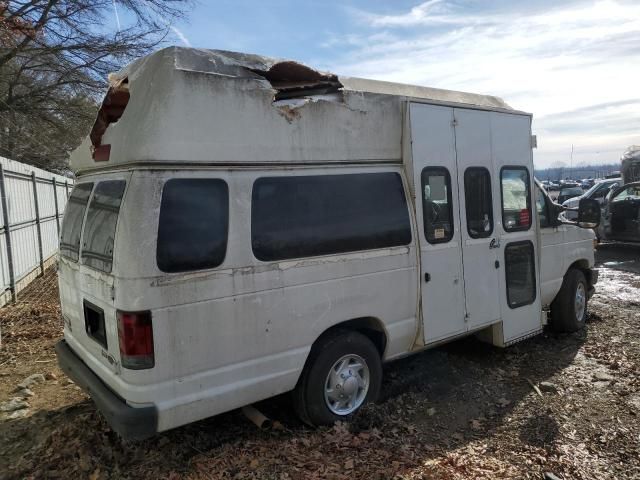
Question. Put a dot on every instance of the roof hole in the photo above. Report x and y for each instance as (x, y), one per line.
(293, 80)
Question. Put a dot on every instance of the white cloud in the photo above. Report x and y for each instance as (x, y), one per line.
(180, 35)
(547, 62)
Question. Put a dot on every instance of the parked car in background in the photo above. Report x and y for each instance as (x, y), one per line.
(569, 192)
(631, 164)
(568, 184)
(554, 186)
(621, 214)
(587, 183)
(598, 192)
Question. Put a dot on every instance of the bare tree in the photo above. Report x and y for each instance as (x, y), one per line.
(54, 59)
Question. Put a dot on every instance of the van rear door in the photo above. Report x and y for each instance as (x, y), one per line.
(86, 271)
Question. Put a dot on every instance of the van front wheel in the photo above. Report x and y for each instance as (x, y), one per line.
(343, 372)
(569, 309)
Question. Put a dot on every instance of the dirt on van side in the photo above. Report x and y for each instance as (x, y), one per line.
(567, 404)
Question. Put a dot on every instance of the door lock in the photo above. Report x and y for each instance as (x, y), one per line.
(497, 264)
(427, 277)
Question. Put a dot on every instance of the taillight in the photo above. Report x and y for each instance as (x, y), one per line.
(135, 333)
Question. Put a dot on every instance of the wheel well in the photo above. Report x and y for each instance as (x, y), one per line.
(583, 266)
(370, 327)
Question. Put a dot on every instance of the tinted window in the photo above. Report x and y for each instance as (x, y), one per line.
(100, 227)
(436, 204)
(72, 221)
(303, 216)
(543, 210)
(478, 202)
(193, 225)
(516, 198)
(520, 273)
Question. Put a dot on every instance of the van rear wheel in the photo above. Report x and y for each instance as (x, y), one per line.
(343, 372)
(569, 309)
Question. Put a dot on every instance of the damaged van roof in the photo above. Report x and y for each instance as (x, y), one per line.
(289, 75)
(194, 106)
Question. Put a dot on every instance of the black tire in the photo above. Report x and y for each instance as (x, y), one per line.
(309, 394)
(564, 317)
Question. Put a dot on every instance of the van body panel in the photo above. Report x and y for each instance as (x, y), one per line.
(199, 316)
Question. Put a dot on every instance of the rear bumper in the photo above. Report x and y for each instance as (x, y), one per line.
(131, 423)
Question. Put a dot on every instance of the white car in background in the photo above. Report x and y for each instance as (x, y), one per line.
(598, 192)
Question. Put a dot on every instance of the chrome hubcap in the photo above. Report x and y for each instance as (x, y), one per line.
(580, 302)
(347, 385)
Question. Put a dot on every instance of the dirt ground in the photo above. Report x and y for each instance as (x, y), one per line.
(464, 410)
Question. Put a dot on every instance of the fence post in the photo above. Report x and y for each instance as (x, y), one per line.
(38, 226)
(7, 233)
(55, 200)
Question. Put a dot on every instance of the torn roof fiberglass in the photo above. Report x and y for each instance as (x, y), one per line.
(290, 78)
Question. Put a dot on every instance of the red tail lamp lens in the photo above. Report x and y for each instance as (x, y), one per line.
(135, 333)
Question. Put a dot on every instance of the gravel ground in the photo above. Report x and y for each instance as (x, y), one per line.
(566, 404)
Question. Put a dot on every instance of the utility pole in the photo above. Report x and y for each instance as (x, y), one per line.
(571, 162)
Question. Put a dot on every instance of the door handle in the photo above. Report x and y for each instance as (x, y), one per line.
(427, 277)
(495, 243)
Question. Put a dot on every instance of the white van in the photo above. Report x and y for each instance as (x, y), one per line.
(243, 227)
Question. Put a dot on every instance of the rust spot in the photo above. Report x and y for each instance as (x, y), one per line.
(292, 80)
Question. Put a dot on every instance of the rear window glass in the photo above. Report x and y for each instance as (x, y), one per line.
(100, 227)
(194, 224)
(304, 216)
(72, 221)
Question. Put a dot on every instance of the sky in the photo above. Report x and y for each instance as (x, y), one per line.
(574, 64)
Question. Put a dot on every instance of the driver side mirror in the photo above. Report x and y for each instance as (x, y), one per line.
(588, 213)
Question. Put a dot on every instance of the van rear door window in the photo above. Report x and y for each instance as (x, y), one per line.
(193, 225)
(100, 227)
(478, 202)
(516, 199)
(304, 216)
(72, 221)
(520, 273)
(436, 205)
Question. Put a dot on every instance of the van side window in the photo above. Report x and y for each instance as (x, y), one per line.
(72, 221)
(543, 210)
(478, 202)
(436, 205)
(516, 198)
(305, 216)
(193, 224)
(100, 227)
(520, 273)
